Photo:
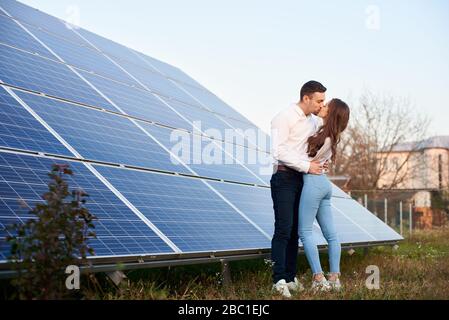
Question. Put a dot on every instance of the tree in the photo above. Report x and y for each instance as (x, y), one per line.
(377, 125)
(44, 246)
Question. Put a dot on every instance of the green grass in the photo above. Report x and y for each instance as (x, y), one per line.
(418, 269)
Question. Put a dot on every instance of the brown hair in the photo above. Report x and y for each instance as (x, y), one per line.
(336, 123)
(310, 87)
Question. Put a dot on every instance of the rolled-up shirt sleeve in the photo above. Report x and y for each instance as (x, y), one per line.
(280, 131)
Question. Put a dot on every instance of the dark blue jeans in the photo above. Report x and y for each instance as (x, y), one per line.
(286, 187)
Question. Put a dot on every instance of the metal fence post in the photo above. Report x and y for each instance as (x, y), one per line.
(386, 210)
(410, 218)
(366, 201)
(400, 217)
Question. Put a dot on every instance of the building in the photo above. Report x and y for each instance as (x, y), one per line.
(421, 166)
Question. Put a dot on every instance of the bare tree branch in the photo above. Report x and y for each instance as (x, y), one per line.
(378, 125)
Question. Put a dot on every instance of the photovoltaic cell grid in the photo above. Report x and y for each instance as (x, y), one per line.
(82, 57)
(71, 51)
(143, 64)
(106, 137)
(119, 231)
(38, 19)
(132, 101)
(190, 214)
(19, 130)
(23, 69)
(14, 35)
(101, 136)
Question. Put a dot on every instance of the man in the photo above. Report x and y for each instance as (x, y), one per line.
(290, 130)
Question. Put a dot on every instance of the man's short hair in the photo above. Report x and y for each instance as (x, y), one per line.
(310, 87)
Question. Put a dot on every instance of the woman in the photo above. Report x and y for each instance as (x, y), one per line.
(316, 195)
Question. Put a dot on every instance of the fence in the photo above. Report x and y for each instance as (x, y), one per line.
(403, 210)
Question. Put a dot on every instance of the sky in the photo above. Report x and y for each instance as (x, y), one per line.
(255, 55)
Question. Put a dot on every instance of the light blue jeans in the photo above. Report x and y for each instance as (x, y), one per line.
(316, 203)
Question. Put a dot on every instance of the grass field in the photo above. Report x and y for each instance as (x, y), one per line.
(418, 269)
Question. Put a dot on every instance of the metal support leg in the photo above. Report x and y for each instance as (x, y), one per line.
(226, 273)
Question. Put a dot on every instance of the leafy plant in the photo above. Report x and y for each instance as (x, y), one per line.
(55, 238)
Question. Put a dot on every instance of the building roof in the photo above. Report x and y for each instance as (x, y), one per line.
(430, 143)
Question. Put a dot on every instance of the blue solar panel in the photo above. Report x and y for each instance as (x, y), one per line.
(142, 67)
(196, 113)
(101, 136)
(113, 49)
(211, 124)
(337, 192)
(213, 103)
(119, 230)
(255, 136)
(209, 160)
(13, 35)
(260, 163)
(137, 103)
(168, 70)
(364, 220)
(82, 57)
(157, 83)
(116, 51)
(352, 221)
(22, 69)
(195, 214)
(186, 210)
(37, 18)
(20, 130)
(254, 202)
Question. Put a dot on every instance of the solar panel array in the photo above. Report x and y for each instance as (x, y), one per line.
(70, 96)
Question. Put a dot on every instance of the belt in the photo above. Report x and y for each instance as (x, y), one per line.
(281, 167)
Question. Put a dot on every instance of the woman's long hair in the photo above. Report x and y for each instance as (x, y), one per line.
(336, 122)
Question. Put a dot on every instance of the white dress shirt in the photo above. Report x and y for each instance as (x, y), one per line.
(290, 130)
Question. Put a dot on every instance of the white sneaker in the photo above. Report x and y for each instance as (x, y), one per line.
(282, 288)
(295, 285)
(322, 285)
(335, 285)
